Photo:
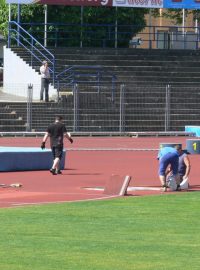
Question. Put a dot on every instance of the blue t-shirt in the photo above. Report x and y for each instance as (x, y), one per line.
(165, 150)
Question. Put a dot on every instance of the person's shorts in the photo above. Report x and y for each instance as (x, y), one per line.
(57, 151)
(169, 159)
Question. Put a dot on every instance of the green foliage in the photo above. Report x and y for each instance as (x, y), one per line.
(29, 13)
(140, 233)
(60, 15)
(176, 15)
(3, 18)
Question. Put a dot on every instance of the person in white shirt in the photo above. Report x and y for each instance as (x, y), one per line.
(45, 76)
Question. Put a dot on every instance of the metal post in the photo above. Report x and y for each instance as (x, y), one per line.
(116, 29)
(183, 28)
(113, 87)
(76, 106)
(150, 25)
(98, 81)
(121, 115)
(81, 40)
(9, 26)
(29, 107)
(45, 25)
(18, 21)
(167, 108)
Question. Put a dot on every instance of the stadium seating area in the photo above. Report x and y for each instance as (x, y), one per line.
(145, 75)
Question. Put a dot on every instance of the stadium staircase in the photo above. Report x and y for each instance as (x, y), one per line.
(137, 66)
(145, 74)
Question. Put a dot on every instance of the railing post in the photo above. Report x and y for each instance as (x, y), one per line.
(9, 33)
(32, 52)
(76, 107)
(53, 70)
(121, 114)
(167, 107)
(58, 90)
(29, 107)
(98, 81)
(113, 87)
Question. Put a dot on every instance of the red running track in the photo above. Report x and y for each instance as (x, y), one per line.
(87, 167)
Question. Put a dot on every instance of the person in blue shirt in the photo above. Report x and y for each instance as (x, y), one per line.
(168, 156)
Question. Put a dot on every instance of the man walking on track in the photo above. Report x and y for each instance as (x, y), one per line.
(169, 156)
(56, 131)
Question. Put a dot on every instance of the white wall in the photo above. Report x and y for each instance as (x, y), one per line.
(18, 75)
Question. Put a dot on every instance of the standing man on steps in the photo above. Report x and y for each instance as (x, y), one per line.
(45, 76)
(56, 131)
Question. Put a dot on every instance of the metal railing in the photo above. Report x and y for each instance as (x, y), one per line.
(135, 109)
(108, 35)
(19, 37)
(89, 75)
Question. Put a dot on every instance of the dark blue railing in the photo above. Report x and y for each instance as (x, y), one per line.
(22, 38)
(80, 74)
(115, 35)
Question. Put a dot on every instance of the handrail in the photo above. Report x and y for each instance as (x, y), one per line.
(21, 39)
(152, 36)
(72, 74)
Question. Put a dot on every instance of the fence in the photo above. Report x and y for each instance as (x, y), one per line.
(108, 35)
(134, 109)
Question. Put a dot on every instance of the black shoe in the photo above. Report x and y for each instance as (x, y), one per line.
(58, 172)
(53, 171)
(178, 188)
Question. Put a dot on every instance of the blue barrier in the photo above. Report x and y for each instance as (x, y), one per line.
(26, 159)
(195, 129)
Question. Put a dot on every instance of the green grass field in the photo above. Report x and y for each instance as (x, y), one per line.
(152, 232)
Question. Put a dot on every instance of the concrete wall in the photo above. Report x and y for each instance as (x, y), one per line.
(2, 44)
(18, 75)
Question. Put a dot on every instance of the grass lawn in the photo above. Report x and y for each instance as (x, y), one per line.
(152, 232)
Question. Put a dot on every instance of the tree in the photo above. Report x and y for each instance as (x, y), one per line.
(3, 18)
(29, 13)
(129, 21)
(176, 15)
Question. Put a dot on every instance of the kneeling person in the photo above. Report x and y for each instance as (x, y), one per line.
(168, 156)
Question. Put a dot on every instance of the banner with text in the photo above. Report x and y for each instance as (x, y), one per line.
(138, 3)
(186, 4)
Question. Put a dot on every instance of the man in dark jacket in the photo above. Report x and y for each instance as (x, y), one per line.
(56, 131)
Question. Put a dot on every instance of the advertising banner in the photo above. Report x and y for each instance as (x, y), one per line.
(186, 4)
(77, 2)
(64, 2)
(193, 4)
(175, 3)
(138, 3)
(20, 2)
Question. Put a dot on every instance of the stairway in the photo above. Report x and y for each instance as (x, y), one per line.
(140, 66)
(145, 74)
